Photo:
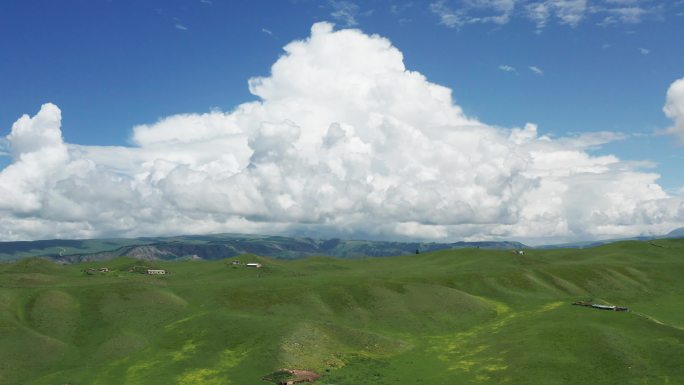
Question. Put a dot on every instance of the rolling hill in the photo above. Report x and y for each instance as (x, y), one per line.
(457, 316)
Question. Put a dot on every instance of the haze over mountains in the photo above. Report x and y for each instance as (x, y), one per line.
(220, 246)
(677, 233)
(212, 247)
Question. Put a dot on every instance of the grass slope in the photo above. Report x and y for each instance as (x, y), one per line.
(450, 317)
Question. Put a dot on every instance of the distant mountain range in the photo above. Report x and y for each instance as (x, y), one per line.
(221, 246)
(677, 233)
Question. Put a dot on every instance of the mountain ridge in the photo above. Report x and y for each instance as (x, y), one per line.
(676, 233)
(219, 246)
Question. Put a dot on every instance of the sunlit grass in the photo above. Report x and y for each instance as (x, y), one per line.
(450, 317)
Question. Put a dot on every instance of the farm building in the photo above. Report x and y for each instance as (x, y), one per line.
(156, 272)
(255, 265)
(609, 307)
(104, 270)
(600, 307)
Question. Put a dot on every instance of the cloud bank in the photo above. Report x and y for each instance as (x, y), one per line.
(336, 146)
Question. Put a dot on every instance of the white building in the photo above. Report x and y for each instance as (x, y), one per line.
(156, 272)
(254, 264)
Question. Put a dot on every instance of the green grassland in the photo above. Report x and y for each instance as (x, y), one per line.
(464, 316)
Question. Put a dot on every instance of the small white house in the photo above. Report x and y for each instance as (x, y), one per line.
(255, 264)
(156, 272)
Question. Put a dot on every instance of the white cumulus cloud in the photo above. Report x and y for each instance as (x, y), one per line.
(334, 146)
(674, 108)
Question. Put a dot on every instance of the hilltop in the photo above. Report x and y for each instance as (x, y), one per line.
(462, 316)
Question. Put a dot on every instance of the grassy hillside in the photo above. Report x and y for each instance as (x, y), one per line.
(450, 317)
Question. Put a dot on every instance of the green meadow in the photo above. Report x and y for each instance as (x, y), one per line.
(466, 316)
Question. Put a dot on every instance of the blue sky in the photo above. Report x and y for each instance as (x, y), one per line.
(569, 66)
(113, 64)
